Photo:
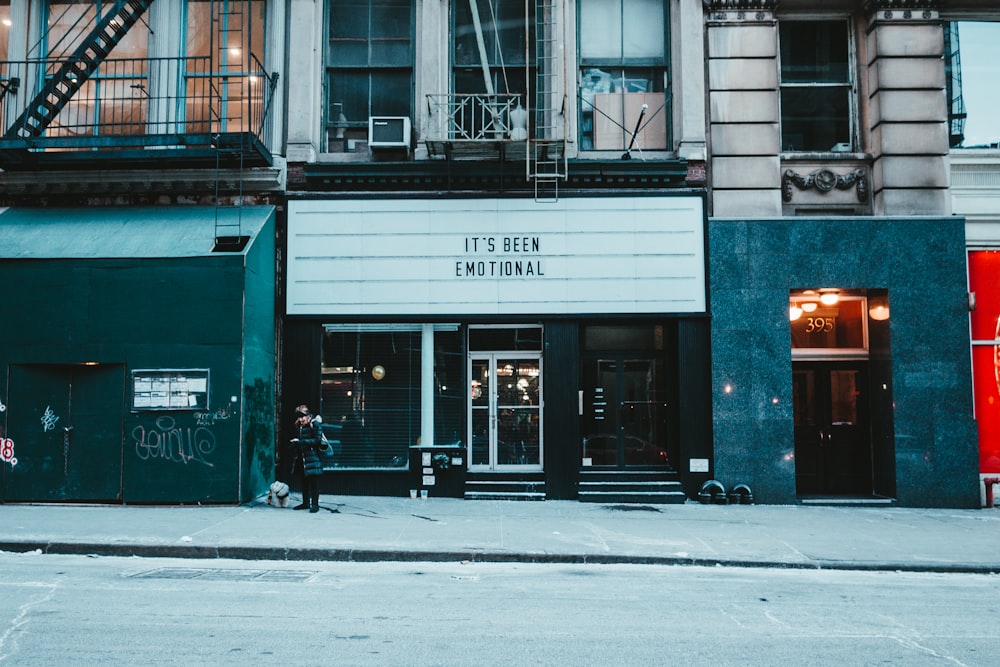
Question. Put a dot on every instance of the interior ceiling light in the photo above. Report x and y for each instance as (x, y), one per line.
(808, 306)
(829, 297)
(794, 312)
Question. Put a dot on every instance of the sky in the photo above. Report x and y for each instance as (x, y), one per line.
(980, 52)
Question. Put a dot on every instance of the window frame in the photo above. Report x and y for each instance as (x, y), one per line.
(497, 60)
(966, 18)
(335, 129)
(850, 86)
(659, 68)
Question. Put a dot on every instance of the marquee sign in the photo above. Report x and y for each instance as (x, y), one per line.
(391, 257)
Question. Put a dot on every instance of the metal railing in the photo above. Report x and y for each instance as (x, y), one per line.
(475, 117)
(129, 99)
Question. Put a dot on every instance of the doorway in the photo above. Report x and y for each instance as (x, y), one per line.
(833, 444)
(66, 422)
(505, 411)
(625, 412)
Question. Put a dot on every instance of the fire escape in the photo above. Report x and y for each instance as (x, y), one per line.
(546, 155)
(502, 125)
(85, 106)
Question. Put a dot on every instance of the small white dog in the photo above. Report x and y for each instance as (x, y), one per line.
(278, 495)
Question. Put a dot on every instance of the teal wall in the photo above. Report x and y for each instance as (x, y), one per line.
(206, 312)
(259, 359)
(921, 264)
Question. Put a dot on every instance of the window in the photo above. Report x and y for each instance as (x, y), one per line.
(114, 97)
(371, 392)
(623, 74)
(369, 67)
(5, 26)
(816, 86)
(971, 64)
(827, 323)
(499, 33)
(225, 40)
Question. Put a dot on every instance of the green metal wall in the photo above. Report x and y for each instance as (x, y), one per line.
(77, 328)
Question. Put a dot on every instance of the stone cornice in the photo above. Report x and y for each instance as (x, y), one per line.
(739, 5)
(902, 9)
(748, 11)
(900, 5)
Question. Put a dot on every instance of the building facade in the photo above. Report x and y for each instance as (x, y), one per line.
(606, 250)
(137, 250)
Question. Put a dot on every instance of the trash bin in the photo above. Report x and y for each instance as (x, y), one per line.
(439, 470)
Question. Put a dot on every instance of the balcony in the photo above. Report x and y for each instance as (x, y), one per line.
(134, 112)
(478, 126)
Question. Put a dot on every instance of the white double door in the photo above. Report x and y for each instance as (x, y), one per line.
(505, 411)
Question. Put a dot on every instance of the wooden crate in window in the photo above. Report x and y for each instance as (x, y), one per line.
(624, 109)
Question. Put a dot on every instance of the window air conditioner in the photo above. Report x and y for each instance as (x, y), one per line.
(389, 132)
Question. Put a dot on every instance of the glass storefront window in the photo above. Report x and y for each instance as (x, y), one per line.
(371, 393)
(371, 390)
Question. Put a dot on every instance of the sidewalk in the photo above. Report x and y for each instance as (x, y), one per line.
(364, 528)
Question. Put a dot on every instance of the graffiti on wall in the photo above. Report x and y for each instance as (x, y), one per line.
(7, 451)
(6, 444)
(258, 408)
(166, 441)
(212, 418)
(49, 419)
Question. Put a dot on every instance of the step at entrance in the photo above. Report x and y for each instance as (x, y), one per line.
(640, 486)
(505, 486)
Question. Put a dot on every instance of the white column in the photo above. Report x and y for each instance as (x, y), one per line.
(303, 77)
(427, 385)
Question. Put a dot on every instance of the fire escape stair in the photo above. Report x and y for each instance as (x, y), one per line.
(77, 69)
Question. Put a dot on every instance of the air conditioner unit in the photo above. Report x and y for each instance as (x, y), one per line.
(389, 132)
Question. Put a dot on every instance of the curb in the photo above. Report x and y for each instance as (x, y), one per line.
(375, 556)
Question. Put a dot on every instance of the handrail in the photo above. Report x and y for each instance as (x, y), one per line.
(475, 117)
(146, 96)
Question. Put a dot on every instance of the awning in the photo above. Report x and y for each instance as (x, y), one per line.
(114, 232)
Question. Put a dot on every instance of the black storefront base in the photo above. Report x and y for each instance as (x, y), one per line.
(440, 471)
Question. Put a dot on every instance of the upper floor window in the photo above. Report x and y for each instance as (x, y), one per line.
(816, 86)
(623, 74)
(369, 67)
(970, 64)
(114, 96)
(225, 52)
(490, 48)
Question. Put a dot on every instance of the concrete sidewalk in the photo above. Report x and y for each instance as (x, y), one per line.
(363, 528)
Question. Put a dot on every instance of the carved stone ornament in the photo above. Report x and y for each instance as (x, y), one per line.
(825, 180)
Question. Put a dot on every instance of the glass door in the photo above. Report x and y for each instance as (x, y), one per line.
(505, 411)
(624, 416)
(833, 450)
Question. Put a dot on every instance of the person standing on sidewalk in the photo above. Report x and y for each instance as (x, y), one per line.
(308, 444)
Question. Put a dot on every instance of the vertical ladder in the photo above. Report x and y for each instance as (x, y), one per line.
(75, 70)
(546, 147)
(227, 81)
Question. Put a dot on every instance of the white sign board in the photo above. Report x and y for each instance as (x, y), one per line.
(598, 255)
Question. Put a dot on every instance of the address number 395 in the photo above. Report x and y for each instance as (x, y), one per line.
(819, 324)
